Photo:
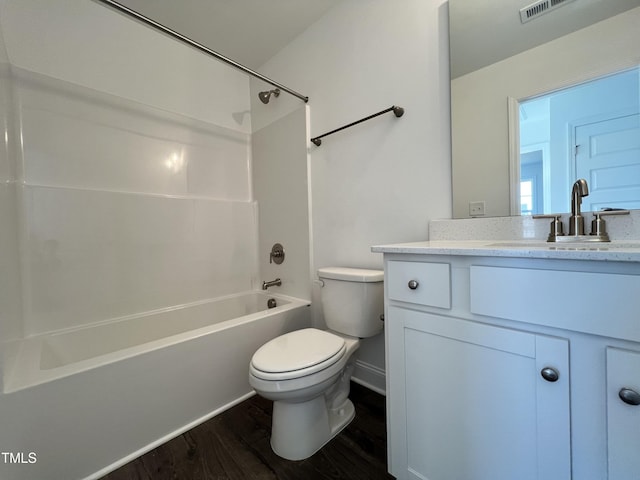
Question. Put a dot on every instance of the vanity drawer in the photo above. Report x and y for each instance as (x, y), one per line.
(418, 282)
(604, 304)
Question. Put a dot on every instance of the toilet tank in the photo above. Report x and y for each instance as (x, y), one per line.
(352, 300)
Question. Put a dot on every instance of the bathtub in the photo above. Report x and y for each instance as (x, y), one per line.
(80, 403)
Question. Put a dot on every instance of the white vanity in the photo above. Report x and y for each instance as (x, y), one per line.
(512, 360)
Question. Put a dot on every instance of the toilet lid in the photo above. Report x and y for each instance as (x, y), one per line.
(297, 353)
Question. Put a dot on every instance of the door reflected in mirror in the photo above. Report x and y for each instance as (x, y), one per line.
(590, 131)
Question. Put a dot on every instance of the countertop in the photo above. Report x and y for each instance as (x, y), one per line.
(627, 251)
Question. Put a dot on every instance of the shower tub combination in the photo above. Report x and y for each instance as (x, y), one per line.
(86, 401)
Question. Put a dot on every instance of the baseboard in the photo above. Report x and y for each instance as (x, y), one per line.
(370, 376)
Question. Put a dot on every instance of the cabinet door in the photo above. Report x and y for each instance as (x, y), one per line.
(468, 401)
(623, 418)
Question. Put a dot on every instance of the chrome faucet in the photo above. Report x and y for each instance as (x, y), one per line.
(273, 283)
(576, 220)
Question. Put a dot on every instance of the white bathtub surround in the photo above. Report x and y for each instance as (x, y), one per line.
(126, 208)
(10, 313)
(281, 189)
(10, 295)
(79, 138)
(620, 228)
(129, 190)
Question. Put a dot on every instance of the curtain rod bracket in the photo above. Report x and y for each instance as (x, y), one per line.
(397, 111)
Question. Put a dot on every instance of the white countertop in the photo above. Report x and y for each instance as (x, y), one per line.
(627, 251)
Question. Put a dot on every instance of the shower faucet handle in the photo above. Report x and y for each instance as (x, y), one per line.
(277, 254)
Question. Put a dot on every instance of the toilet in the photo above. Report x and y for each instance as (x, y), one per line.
(307, 372)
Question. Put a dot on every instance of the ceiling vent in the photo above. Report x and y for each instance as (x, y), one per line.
(540, 8)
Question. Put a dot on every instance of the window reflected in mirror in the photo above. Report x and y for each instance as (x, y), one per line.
(589, 131)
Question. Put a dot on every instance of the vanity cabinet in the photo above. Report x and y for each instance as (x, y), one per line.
(491, 377)
(623, 413)
(475, 404)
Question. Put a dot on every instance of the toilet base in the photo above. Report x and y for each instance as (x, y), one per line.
(301, 429)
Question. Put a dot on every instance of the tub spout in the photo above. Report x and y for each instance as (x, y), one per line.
(273, 283)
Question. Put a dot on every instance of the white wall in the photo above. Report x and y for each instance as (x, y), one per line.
(383, 180)
(479, 102)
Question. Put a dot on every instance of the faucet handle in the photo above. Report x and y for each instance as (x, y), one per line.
(277, 254)
(599, 226)
(612, 211)
(556, 229)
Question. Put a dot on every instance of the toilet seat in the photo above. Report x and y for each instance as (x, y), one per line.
(297, 354)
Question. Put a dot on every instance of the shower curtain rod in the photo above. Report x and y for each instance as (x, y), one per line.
(397, 111)
(172, 33)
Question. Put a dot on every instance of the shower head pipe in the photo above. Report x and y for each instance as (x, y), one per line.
(178, 36)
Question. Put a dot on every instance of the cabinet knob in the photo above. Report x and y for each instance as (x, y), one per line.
(628, 396)
(550, 374)
(413, 284)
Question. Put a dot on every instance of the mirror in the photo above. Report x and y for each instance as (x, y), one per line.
(590, 131)
(498, 62)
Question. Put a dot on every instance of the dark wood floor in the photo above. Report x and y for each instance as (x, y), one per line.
(235, 445)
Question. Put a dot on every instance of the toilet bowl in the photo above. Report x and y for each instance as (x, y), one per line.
(307, 372)
(311, 402)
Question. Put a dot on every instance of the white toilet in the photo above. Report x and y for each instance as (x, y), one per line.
(307, 372)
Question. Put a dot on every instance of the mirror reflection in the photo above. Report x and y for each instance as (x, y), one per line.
(589, 131)
(514, 66)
